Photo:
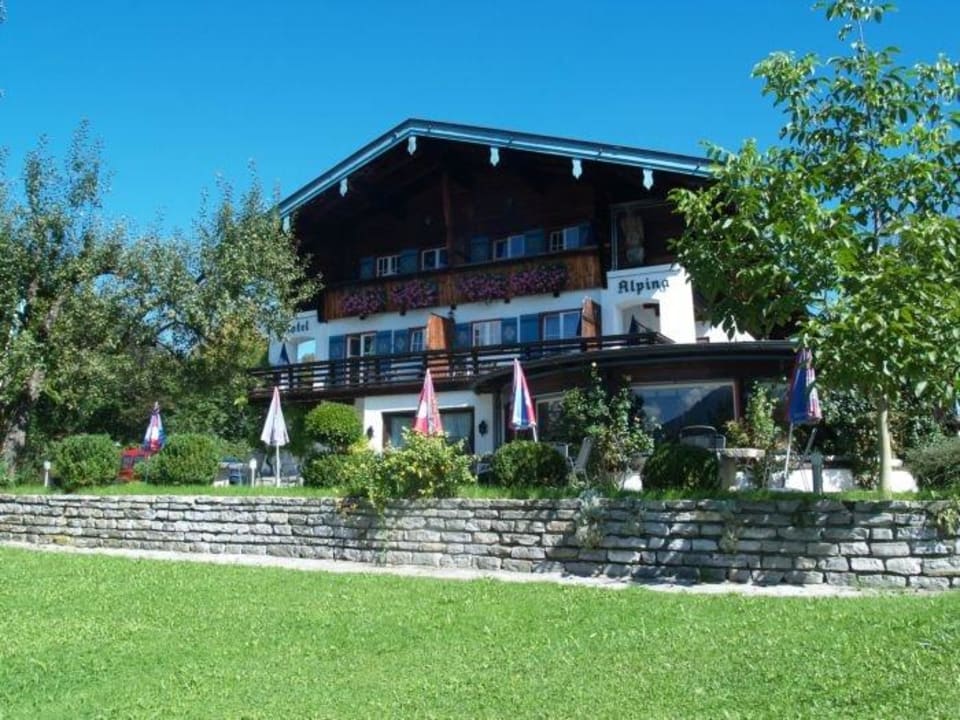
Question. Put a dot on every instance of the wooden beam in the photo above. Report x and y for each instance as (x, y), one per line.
(447, 215)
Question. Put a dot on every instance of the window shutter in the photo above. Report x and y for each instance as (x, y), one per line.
(367, 267)
(586, 234)
(508, 331)
(462, 337)
(517, 244)
(384, 342)
(409, 262)
(529, 328)
(338, 347)
(534, 241)
(401, 341)
(479, 249)
(571, 237)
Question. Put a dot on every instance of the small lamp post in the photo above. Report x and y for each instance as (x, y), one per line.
(46, 473)
(253, 470)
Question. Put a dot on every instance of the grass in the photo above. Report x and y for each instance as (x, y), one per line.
(95, 636)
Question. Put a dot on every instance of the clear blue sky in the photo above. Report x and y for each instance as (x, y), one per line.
(182, 91)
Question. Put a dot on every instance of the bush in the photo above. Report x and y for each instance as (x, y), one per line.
(7, 478)
(526, 463)
(85, 460)
(352, 470)
(426, 466)
(937, 467)
(674, 466)
(333, 425)
(186, 459)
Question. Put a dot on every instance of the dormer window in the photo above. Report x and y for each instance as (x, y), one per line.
(433, 259)
(557, 243)
(508, 247)
(387, 265)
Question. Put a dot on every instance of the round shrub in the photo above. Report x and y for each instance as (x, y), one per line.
(85, 460)
(426, 466)
(186, 459)
(675, 466)
(351, 471)
(334, 425)
(937, 467)
(531, 464)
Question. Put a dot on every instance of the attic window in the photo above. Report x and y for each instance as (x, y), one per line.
(388, 265)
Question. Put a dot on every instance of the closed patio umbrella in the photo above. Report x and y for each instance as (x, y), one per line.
(275, 430)
(523, 417)
(427, 420)
(154, 437)
(803, 403)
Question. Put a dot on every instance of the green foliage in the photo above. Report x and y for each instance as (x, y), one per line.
(186, 459)
(83, 460)
(335, 425)
(95, 325)
(846, 234)
(426, 466)
(937, 467)
(615, 421)
(757, 429)
(675, 466)
(7, 478)
(527, 463)
(351, 471)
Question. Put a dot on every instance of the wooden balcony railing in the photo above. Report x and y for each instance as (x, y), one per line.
(381, 372)
(582, 265)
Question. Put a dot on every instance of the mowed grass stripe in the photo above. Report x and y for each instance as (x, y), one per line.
(95, 636)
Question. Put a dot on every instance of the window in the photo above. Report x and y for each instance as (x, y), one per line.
(361, 345)
(306, 351)
(433, 259)
(557, 241)
(487, 333)
(508, 247)
(416, 340)
(387, 265)
(561, 325)
(457, 424)
(676, 406)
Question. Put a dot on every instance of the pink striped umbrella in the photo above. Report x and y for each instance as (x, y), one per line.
(427, 421)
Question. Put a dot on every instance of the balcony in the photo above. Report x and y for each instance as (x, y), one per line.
(451, 369)
(582, 268)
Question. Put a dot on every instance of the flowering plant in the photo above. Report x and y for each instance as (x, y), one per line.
(414, 294)
(538, 280)
(482, 286)
(365, 301)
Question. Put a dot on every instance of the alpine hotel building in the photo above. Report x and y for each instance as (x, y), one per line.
(458, 248)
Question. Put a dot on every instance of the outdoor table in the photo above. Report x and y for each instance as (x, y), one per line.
(733, 458)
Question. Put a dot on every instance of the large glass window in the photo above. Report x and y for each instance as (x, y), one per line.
(434, 258)
(561, 325)
(487, 333)
(388, 265)
(360, 345)
(416, 340)
(457, 424)
(676, 406)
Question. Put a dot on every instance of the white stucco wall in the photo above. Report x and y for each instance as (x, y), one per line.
(630, 289)
(371, 409)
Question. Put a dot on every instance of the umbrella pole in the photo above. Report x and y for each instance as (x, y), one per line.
(534, 428)
(786, 465)
(276, 466)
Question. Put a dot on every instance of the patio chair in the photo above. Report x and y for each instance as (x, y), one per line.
(578, 466)
(703, 436)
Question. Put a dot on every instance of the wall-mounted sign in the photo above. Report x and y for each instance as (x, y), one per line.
(299, 326)
(640, 286)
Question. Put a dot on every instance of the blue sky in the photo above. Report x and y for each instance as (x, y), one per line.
(181, 92)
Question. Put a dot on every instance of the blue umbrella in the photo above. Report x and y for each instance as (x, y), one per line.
(634, 326)
(803, 403)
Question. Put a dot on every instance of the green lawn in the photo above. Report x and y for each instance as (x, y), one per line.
(93, 636)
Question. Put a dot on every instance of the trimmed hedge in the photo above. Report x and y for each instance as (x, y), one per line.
(427, 466)
(186, 459)
(937, 467)
(675, 466)
(333, 425)
(85, 460)
(531, 464)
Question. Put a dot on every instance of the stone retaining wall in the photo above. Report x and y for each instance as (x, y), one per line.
(892, 544)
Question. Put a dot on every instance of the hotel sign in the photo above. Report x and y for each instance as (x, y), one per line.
(299, 326)
(642, 285)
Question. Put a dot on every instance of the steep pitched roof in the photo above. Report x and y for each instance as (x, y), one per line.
(507, 139)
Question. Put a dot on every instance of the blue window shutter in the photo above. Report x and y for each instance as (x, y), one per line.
(409, 262)
(508, 331)
(462, 336)
(401, 341)
(572, 237)
(479, 249)
(384, 342)
(535, 242)
(367, 267)
(338, 347)
(529, 328)
(517, 244)
(586, 234)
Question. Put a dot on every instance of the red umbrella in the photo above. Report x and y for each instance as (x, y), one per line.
(427, 421)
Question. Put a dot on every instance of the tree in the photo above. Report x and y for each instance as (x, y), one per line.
(94, 326)
(846, 233)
